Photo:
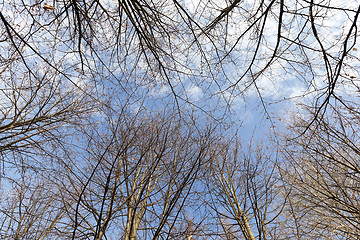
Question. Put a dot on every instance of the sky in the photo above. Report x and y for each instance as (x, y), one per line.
(211, 75)
(217, 74)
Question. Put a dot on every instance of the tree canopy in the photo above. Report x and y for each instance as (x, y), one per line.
(137, 119)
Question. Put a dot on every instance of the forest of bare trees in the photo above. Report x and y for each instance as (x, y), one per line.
(194, 120)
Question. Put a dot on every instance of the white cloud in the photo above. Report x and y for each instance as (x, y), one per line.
(195, 93)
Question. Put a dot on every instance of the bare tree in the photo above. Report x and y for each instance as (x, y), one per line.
(84, 83)
(30, 208)
(129, 177)
(323, 175)
(38, 111)
(243, 195)
(219, 49)
(35, 105)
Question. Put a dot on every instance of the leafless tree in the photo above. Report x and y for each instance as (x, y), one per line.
(219, 49)
(323, 175)
(88, 92)
(38, 111)
(129, 177)
(243, 195)
(34, 105)
(30, 207)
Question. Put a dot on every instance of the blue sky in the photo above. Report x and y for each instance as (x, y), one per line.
(228, 74)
